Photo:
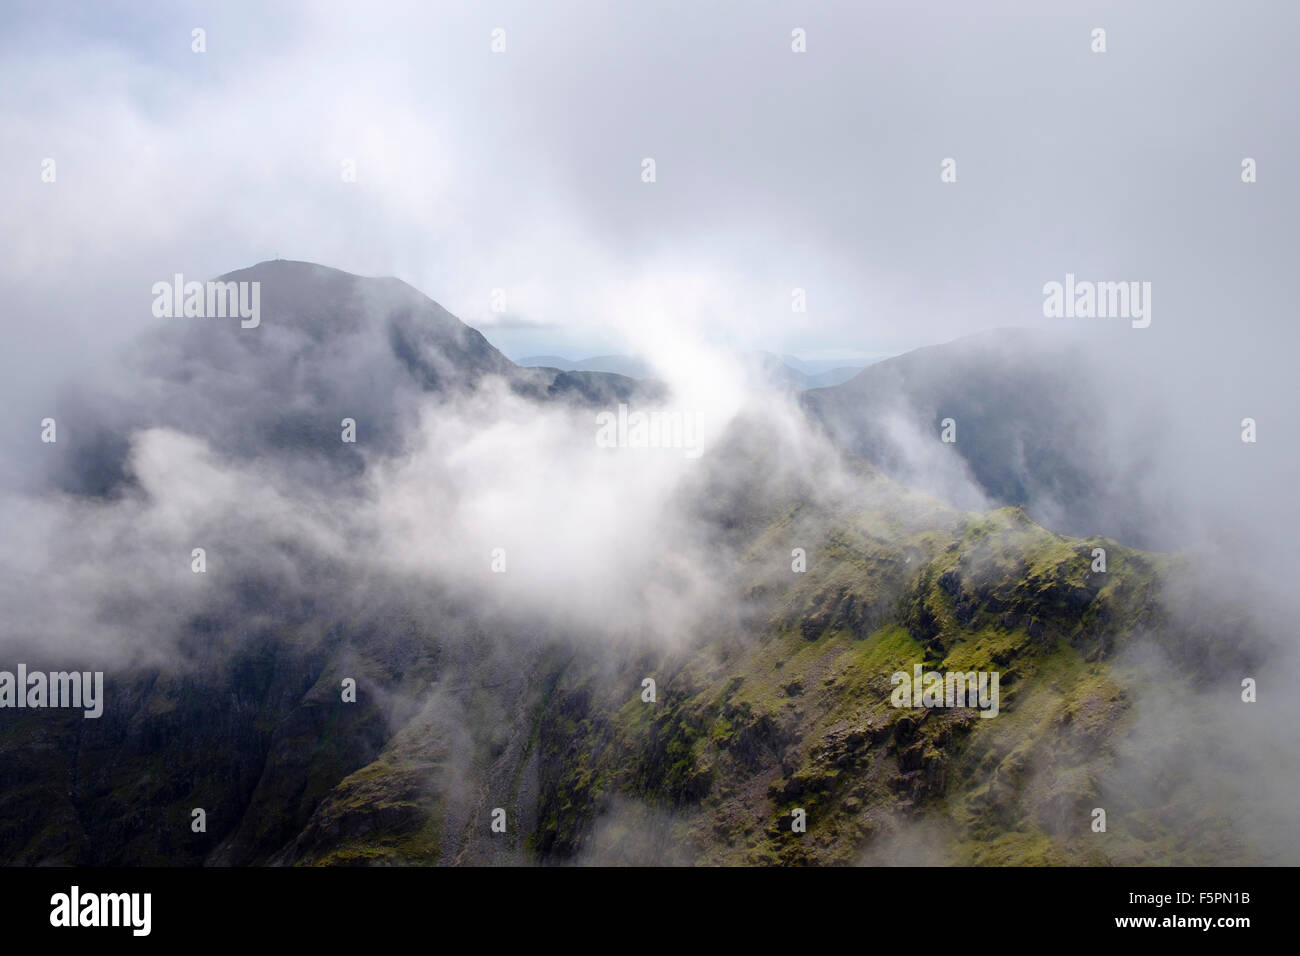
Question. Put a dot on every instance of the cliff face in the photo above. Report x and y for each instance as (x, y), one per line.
(773, 734)
(801, 718)
(745, 729)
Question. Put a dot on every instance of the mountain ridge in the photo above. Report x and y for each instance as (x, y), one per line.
(826, 576)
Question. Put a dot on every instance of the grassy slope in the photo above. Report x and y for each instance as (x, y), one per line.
(798, 716)
(746, 728)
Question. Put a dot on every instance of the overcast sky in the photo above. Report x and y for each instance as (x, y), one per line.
(521, 170)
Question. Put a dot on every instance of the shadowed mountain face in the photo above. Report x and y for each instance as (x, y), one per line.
(770, 588)
(329, 346)
(1036, 420)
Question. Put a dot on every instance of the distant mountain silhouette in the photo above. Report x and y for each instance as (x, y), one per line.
(330, 345)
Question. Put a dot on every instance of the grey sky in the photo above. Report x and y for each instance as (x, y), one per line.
(775, 170)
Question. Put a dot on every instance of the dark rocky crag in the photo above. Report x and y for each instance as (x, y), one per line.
(462, 709)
